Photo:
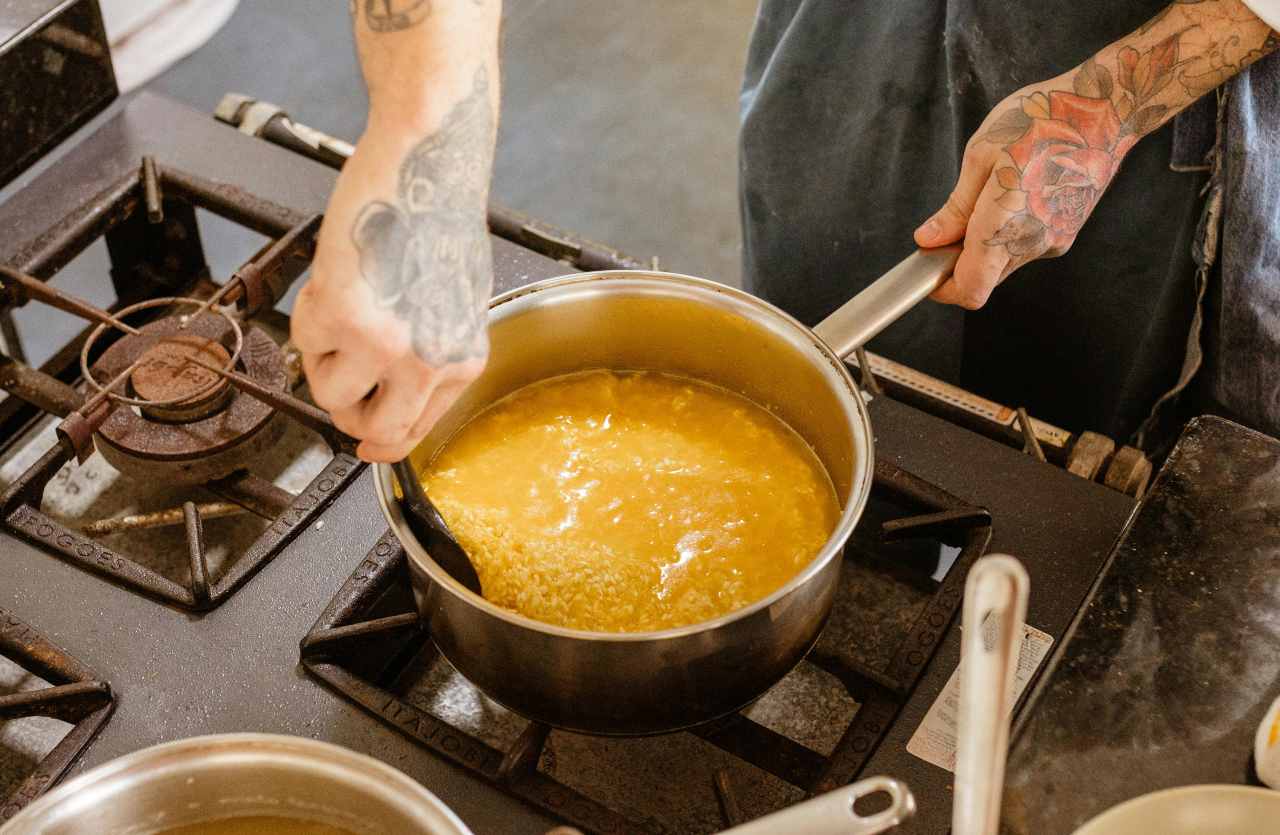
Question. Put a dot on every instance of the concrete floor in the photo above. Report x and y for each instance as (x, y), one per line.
(619, 119)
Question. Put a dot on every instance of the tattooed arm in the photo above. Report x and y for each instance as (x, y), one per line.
(1041, 160)
(392, 323)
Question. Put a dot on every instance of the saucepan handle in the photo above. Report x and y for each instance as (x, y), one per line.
(888, 297)
(833, 813)
(995, 609)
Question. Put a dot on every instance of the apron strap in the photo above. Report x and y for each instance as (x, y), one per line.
(1204, 251)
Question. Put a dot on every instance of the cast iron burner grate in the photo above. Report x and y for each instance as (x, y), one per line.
(172, 389)
(370, 634)
(76, 695)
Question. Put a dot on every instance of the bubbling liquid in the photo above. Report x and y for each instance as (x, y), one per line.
(631, 501)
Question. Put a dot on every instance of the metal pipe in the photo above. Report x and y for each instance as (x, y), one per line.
(159, 518)
(151, 191)
(40, 291)
(271, 123)
(232, 203)
(45, 392)
(253, 493)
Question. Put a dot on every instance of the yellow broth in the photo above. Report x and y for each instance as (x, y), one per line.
(629, 502)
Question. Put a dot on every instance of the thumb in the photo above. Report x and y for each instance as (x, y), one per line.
(947, 225)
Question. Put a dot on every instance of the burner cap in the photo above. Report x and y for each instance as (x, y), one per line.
(165, 374)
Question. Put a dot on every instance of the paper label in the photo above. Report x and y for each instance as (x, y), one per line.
(935, 740)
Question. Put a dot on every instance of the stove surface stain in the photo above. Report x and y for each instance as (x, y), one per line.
(1178, 653)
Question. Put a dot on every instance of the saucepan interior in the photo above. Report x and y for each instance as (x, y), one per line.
(633, 320)
(624, 683)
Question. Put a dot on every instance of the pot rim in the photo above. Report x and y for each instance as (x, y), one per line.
(246, 748)
(859, 487)
(1099, 823)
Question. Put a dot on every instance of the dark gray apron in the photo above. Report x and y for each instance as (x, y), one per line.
(854, 117)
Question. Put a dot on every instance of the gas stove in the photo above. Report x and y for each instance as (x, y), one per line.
(223, 558)
(168, 469)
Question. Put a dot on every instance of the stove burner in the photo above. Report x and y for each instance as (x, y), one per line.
(165, 372)
(138, 342)
(191, 424)
(204, 422)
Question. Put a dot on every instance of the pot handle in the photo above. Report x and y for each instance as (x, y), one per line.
(833, 813)
(995, 609)
(887, 298)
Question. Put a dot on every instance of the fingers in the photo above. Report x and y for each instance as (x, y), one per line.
(347, 343)
(312, 328)
(394, 421)
(442, 398)
(948, 224)
(981, 265)
(390, 414)
(340, 379)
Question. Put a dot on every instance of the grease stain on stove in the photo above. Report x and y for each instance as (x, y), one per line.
(1177, 654)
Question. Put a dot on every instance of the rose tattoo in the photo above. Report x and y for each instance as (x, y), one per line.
(1063, 164)
(1067, 146)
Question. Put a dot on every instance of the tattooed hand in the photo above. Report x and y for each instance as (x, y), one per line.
(1037, 166)
(392, 323)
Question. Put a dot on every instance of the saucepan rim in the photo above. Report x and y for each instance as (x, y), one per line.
(379, 781)
(859, 487)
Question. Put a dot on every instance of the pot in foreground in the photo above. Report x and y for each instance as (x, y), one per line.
(237, 775)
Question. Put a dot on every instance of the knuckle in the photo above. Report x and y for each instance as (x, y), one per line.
(383, 454)
(348, 423)
(1058, 250)
(422, 426)
(334, 394)
(390, 432)
(383, 350)
(307, 293)
(364, 329)
(328, 404)
(974, 299)
(958, 205)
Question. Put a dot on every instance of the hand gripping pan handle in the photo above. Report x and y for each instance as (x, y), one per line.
(887, 298)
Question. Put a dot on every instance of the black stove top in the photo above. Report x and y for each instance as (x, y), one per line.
(176, 673)
(1176, 656)
(56, 67)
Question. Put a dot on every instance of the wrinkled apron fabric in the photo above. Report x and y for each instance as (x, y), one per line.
(855, 114)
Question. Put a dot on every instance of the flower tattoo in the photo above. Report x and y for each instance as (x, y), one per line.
(427, 255)
(1063, 162)
(1065, 146)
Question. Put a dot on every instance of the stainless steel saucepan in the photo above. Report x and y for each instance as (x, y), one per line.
(231, 776)
(237, 775)
(653, 682)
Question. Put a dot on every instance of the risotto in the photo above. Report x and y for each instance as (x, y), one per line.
(629, 502)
